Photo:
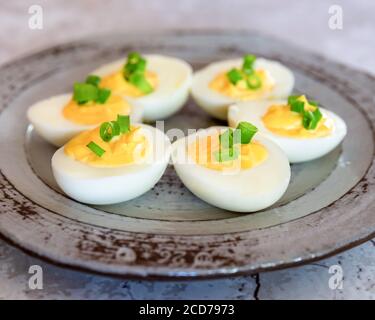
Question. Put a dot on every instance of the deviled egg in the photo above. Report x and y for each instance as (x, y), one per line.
(302, 129)
(232, 169)
(159, 85)
(222, 83)
(112, 163)
(60, 118)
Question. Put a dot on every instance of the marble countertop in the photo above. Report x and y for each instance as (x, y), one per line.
(300, 22)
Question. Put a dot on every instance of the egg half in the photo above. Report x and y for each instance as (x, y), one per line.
(131, 165)
(214, 93)
(275, 121)
(169, 77)
(59, 118)
(252, 182)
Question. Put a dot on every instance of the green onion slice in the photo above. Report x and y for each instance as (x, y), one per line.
(108, 130)
(291, 99)
(234, 75)
(135, 64)
(124, 123)
(93, 79)
(248, 63)
(253, 81)
(95, 148)
(247, 131)
(103, 95)
(311, 119)
(297, 106)
(139, 80)
(84, 92)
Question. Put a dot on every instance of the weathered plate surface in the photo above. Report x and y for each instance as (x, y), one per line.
(168, 232)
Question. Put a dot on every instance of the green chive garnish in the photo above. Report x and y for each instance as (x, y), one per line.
(95, 148)
(297, 106)
(93, 79)
(90, 91)
(310, 119)
(228, 140)
(108, 130)
(234, 75)
(139, 80)
(247, 131)
(291, 99)
(124, 123)
(84, 92)
(134, 72)
(248, 63)
(253, 81)
(103, 95)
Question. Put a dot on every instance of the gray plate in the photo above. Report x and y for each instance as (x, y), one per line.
(168, 232)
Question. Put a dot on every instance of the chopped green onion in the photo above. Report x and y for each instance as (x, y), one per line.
(297, 106)
(317, 116)
(234, 75)
(103, 95)
(93, 79)
(124, 123)
(95, 148)
(307, 119)
(84, 92)
(253, 81)
(291, 99)
(134, 70)
(248, 63)
(108, 130)
(130, 68)
(311, 119)
(115, 128)
(139, 80)
(247, 131)
(133, 57)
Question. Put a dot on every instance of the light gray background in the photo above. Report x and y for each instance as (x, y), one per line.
(301, 22)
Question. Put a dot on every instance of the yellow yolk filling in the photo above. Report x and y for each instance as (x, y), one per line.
(117, 83)
(124, 149)
(240, 90)
(93, 113)
(280, 120)
(203, 152)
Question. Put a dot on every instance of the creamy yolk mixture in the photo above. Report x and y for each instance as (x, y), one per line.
(280, 120)
(124, 149)
(92, 113)
(117, 83)
(240, 90)
(203, 152)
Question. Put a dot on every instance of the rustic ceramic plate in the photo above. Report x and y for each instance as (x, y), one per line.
(168, 232)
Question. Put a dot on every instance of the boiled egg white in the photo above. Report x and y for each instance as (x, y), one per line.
(107, 181)
(229, 185)
(47, 118)
(307, 147)
(172, 78)
(278, 80)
